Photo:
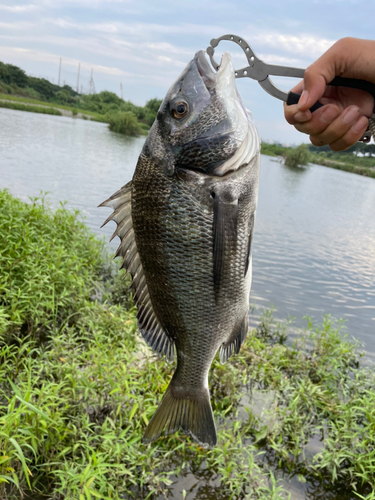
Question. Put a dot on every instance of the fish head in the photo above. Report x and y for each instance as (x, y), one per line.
(202, 124)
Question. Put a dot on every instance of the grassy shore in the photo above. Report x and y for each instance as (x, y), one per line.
(15, 102)
(30, 107)
(78, 386)
(348, 161)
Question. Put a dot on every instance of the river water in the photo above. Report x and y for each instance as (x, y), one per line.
(314, 243)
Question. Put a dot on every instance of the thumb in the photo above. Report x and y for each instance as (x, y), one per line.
(319, 74)
(315, 80)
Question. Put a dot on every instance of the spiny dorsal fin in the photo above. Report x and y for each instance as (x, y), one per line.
(148, 323)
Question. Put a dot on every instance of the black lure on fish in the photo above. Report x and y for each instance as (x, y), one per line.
(186, 222)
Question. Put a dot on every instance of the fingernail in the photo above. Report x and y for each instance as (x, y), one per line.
(350, 114)
(329, 114)
(302, 116)
(360, 124)
(303, 99)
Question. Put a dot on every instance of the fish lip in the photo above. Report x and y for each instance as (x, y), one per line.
(208, 75)
(205, 71)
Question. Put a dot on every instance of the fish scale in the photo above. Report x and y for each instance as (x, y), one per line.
(188, 215)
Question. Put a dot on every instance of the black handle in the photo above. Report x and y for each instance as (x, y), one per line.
(293, 98)
(338, 81)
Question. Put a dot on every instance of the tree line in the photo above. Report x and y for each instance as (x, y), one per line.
(14, 80)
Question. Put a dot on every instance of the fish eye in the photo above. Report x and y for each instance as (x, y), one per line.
(180, 109)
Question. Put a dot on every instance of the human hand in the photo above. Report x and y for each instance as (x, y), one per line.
(344, 117)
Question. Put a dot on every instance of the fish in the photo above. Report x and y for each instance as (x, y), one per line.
(186, 225)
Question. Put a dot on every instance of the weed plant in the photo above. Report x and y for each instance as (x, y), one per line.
(78, 386)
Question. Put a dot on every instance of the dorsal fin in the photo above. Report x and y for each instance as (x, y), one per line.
(148, 322)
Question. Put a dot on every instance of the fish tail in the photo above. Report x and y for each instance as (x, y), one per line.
(188, 410)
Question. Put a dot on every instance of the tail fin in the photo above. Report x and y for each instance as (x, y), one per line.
(185, 410)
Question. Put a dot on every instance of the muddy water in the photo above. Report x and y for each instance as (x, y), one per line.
(314, 244)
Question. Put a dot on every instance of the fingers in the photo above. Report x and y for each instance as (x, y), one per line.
(350, 137)
(328, 125)
(342, 132)
(311, 123)
(343, 118)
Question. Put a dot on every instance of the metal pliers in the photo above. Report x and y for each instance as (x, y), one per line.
(260, 71)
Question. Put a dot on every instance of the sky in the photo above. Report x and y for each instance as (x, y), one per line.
(144, 45)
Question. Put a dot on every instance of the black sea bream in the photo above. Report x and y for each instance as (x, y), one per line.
(186, 222)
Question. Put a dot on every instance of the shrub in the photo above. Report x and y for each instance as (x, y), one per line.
(124, 122)
(298, 156)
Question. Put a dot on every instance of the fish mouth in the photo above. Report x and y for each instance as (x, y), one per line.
(210, 77)
(243, 130)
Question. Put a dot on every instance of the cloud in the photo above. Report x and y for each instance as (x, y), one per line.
(19, 8)
(145, 55)
(140, 30)
(34, 55)
(298, 44)
(24, 26)
(90, 4)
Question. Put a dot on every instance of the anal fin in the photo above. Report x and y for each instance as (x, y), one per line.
(235, 341)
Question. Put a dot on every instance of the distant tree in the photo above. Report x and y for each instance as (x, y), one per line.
(153, 105)
(17, 76)
(109, 97)
(43, 86)
(62, 97)
(69, 89)
(4, 73)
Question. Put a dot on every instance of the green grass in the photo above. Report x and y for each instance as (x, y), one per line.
(78, 386)
(343, 160)
(344, 165)
(28, 100)
(29, 107)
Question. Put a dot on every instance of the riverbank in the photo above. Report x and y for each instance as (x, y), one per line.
(79, 386)
(122, 122)
(349, 161)
(27, 93)
(35, 106)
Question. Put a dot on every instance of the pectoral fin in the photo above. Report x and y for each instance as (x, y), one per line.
(224, 236)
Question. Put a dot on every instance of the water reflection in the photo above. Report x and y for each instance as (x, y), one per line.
(314, 243)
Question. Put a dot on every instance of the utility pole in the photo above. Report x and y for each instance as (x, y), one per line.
(79, 65)
(122, 97)
(91, 80)
(58, 83)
